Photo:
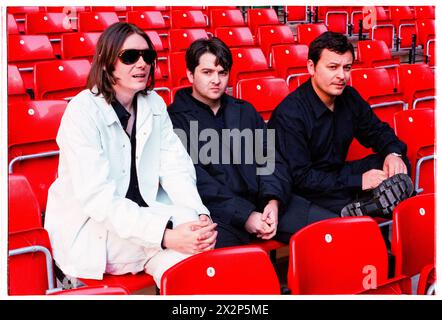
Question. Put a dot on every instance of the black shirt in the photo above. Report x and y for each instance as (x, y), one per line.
(315, 140)
(133, 193)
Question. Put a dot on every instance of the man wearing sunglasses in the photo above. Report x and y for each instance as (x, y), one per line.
(117, 151)
(245, 204)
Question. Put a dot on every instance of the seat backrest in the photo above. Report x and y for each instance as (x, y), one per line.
(177, 69)
(60, 79)
(12, 25)
(306, 33)
(296, 13)
(32, 129)
(337, 256)
(47, 23)
(426, 29)
(29, 48)
(372, 51)
(222, 271)
(401, 14)
(186, 19)
(261, 16)
(416, 81)
(235, 36)
(16, 88)
(289, 59)
(77, 45)
(146, 20)
(424, 12)
(23, 209)
(413, 241)
(263, 93)
(372, 82)
(273, 35)
(226, 18)
(181, 39)
(96, 21)
(28, 272)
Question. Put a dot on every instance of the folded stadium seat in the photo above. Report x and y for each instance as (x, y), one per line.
(32, 150)
(79, 45)
(16, 88)
(150, 21)
(413, 242)
(306, 33)
(235, 36)
(405, 25)
(378, 89)
(60, 79)
(222, 271)
(162, 85)
(31, 269)
(23, 209)
(382, 27)
(49, 23)
(248, 63)
(416, 129)
(25, 50)
(187, 19)
(19, 14)
(263, 93)
(295, 14)
(425, 12)
(181, 39)
(417, 82)
(269, 36)
(12, 25)
(95, 21)
(426, 34)
(177, 69)
(337, 19)
(225, 17)
(261, 17)
(361, 266)
(119, 10)
(290, 63)
(162, 56)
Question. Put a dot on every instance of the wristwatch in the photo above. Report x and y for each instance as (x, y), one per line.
(396, 154)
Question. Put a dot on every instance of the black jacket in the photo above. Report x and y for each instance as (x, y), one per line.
(230, 191)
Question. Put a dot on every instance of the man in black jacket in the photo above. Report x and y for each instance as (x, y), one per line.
(239, 178)
(315, 125)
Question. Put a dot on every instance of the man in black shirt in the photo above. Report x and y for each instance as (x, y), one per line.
(244, 203)
(315, 125)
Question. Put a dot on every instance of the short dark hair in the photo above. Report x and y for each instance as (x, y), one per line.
(106, 53)
(214, 46)
(333, 41)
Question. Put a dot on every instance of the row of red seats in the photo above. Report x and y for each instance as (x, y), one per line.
(361, 269)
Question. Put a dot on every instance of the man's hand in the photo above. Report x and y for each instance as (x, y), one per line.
(255, 224)
(394, 165)
(270, 216)
(372, 178)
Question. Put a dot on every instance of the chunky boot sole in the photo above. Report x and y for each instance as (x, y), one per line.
(385, 198)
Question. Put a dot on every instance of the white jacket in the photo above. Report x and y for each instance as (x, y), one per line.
(87, 200)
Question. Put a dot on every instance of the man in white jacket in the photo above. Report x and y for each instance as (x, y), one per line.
(117, 147)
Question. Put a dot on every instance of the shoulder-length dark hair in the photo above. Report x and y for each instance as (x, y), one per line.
(106, 53)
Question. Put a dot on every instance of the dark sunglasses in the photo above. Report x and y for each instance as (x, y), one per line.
(130, 56)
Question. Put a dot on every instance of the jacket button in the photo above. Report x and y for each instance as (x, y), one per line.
(124, 171)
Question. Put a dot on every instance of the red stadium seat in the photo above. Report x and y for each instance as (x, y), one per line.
(186, 19)
(269, 36)
(337, 19)
(79, 45)
(263, 93)
(49, 23)
(226, 18)
(417, 82)
(295, 14)
(25, 50)
(33, 152)
(177, 69)
(16, 88)
(375, 53)
(290, 62)
(119, 10)
(416, 129)
(248, 63)
(130, 282)
(12, 25)
(23, 209)
(235, 36)
(261, 17)
(93, 290)
(426, 34)
(306, 33)
(382, 27)
(424, 12)
(19, 14)
(96, 21)
(222, 271)
(60, 79)
(340, 256)
(180, 39)
(413, 242)
(405, 25)
(150, 20)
